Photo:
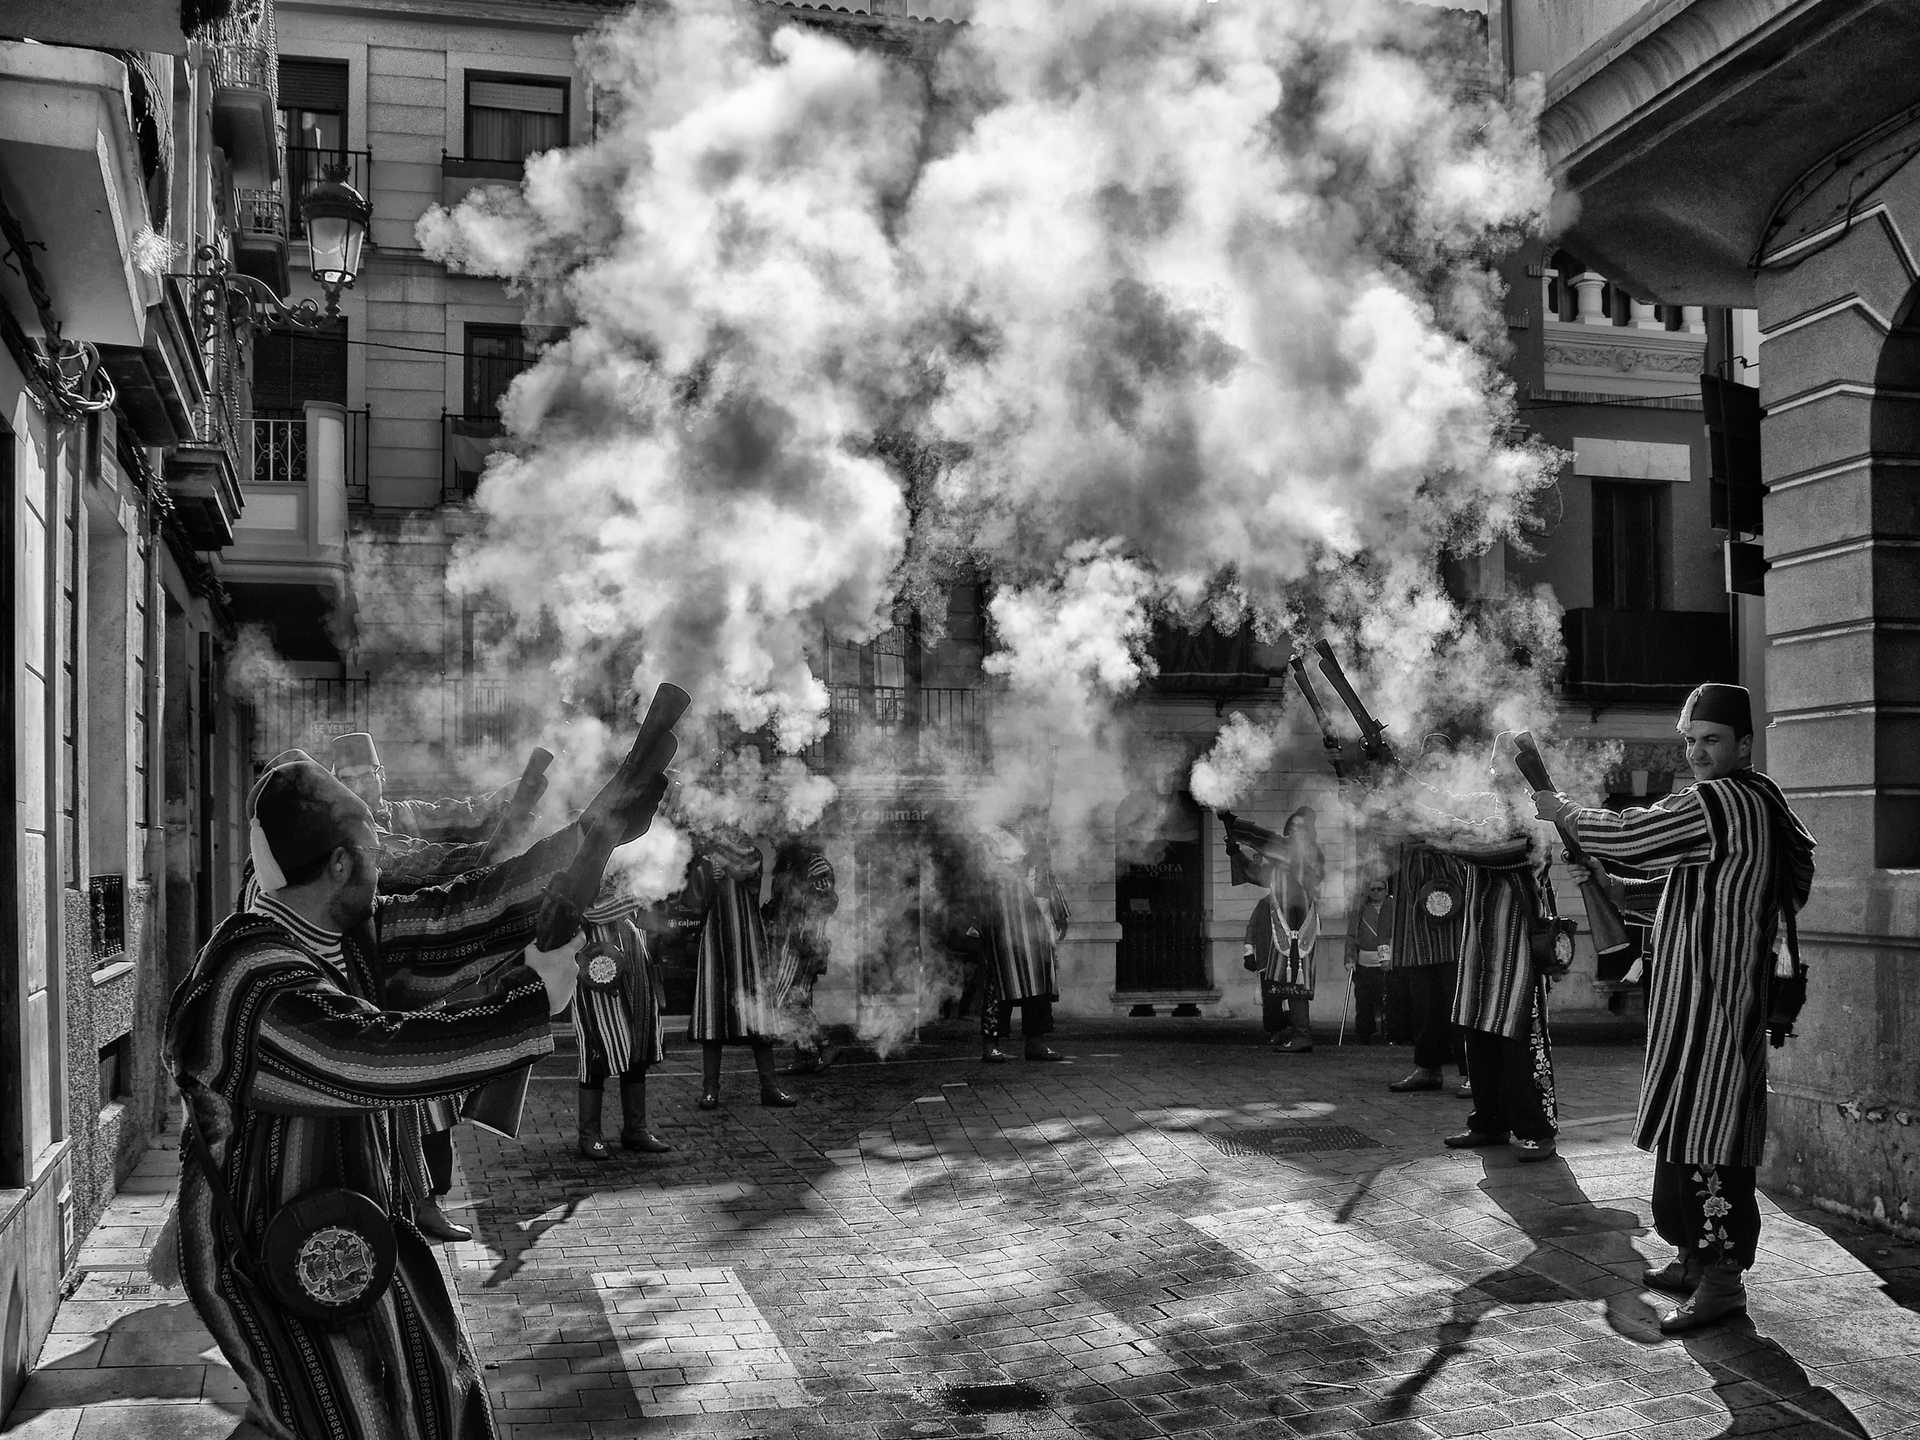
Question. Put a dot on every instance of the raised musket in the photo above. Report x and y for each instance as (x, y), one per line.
(519, 809)
(1373, 735)
(1329, 741)
(622, 811)
(1610, 935)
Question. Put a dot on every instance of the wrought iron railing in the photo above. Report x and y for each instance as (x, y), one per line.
(306, 713)
(946, 721)
(260, 214)
(485, 712)
(359, 427)
(279, 447)
(303, 166)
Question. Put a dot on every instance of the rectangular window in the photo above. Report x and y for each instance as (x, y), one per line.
(494, 355)
(1626, 545)
(313, 128)
(510, 118)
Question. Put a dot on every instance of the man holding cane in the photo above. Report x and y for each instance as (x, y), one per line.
(1738, 861)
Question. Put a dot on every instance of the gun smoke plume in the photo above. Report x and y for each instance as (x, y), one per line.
(1186, 310)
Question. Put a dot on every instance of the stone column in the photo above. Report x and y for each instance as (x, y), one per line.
(1840, 445)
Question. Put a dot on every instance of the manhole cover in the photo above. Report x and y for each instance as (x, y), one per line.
(1289, 1140)
(975, 1399)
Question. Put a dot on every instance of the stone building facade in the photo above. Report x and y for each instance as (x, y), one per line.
(1760, 154)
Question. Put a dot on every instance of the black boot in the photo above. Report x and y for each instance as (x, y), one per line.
(770, 1092)
(634, 1133)
(592, 1099)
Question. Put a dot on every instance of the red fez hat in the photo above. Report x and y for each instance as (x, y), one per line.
(298, 812)
(1716, 704)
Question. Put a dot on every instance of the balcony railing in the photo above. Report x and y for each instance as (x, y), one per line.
(279, 447)
(260, 215)
(302, 167)
(465, 443)
(933, 720)
(307, 713)
(359, 428)
(485, 712)
(1645, 656)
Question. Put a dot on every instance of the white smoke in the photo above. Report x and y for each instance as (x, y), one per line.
(1191, 305)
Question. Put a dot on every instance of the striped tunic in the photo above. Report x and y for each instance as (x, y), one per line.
(616, 1009)
(1286, 955)
(1419, 940)
(1018, 938)
(1502, 897)
(295, 1075)
(1703, 1098)
(734, 990)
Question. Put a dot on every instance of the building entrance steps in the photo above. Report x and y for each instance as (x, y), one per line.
(1178, 1234)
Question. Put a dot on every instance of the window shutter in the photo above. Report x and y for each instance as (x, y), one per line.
(506, 95)
(313, 85)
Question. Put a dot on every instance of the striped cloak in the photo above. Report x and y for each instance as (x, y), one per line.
(1703, 1099)
(616, 1009)
(295, 1076)
(1018, 938)
(1495, 989)
(1418, 938)
(735, 992)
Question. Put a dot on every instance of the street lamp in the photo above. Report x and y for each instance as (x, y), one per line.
(336, 216)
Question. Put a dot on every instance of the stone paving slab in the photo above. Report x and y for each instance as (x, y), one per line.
(1179, 1233)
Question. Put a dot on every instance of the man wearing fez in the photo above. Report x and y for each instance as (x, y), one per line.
(1738, 860)
(307, 1025)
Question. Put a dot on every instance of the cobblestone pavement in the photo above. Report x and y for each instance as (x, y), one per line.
(1179, 1233)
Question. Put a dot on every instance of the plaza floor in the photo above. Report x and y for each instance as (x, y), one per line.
(1177, 1233)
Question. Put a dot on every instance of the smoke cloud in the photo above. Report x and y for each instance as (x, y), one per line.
(1180, 310)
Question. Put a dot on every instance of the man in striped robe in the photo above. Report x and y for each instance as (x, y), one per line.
(1737, 860)
(735, 988)
(616, 1022)
(1499, 999)
(422, 842)
(804, 898)
(294, 1071)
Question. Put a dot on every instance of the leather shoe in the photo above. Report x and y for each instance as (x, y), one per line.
(1043, 1052)
(1471, 1139)
(1527, 1150)
(592, 1147)
(645, 1140)
(430, 1222)
(1295, 1044)
(1418, 1080)
(1677, 1277)
(710, 1100)
(1720, 1296)
(777, 1099)
(994, 1055)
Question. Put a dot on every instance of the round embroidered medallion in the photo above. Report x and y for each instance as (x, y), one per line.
(1439, 903)
(1563, 949)
(601, 970)
(335, 1265)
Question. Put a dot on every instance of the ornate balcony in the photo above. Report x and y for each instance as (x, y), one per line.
(244, 58)
(287, 565)
(260, 236)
